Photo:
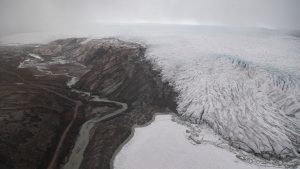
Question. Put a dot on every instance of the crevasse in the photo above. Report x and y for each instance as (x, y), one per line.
(254, 105)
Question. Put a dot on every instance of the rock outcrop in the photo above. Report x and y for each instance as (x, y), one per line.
(109, 68)
(32, 118)
(119, 71)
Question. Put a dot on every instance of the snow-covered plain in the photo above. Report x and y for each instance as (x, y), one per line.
(176, 150)
(243, 83)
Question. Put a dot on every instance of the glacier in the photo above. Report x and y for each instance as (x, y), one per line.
(246, 87)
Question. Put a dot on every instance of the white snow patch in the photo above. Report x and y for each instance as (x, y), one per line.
(71, 82)
(35, 56)
(85, 41)
(60, 60)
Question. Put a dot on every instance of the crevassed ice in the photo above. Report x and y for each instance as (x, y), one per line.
(247, 88)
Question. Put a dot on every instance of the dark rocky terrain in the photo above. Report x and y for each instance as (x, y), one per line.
(37, 107)
(31, 118)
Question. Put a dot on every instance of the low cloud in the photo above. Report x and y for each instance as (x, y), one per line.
(30, 15)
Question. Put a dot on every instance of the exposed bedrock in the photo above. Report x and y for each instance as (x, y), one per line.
(32, 115)
(118, 71)
(121, 73)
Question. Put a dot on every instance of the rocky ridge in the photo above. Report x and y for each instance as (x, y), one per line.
(109, 68)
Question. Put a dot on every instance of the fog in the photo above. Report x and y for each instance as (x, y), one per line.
(37, 15)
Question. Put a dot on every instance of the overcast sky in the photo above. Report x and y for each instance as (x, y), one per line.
(16, 15)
